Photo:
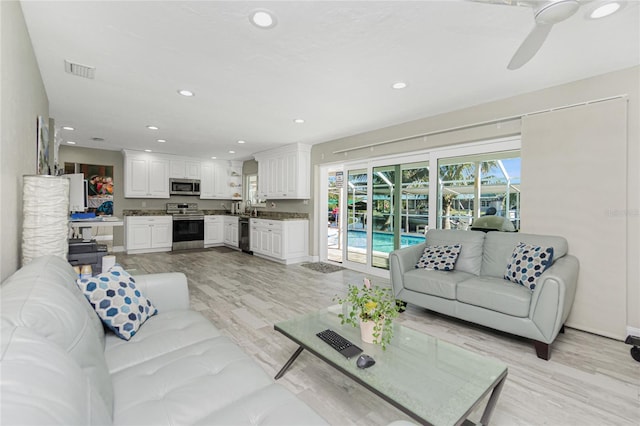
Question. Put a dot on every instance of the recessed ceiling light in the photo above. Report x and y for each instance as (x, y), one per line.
(232, 152)
(298, 121)
(152, 127)
(162, 140)
(71, 142)
(605, 8)
(263, 18)
(399, 85)
(213, 158)
(147, 150)
(185, 92)
(68, 128)
(241, 142)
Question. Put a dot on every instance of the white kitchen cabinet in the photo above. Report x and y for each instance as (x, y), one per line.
(213, 230)
(213, 181)
(221, 180)
(284, 173)
(184, 168)
(146, 234)
(231, 231)
(286, 241)
(207, 181)
(146, 175)
(254, 237)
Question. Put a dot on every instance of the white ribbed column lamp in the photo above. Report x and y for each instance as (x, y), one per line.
(45, 227)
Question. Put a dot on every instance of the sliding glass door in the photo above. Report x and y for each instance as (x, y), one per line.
(355, 215)
(400, 212)
(389, 203)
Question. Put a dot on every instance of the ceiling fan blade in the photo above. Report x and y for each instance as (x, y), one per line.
(527, 3)
(530, 46)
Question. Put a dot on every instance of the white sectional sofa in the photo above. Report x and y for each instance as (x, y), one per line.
(59, 366)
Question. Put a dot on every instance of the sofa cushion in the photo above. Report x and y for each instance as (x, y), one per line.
(498, 248)
(439, 258)
(43, 297)
(117, 301)
(470, 258)
(527, 264)
(495, 294)
(161, 334)
(185, 385)
(434, 283)
(54, 271)
(273, 405)
(43, 385)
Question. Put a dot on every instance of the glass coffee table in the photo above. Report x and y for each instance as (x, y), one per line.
(432, 381)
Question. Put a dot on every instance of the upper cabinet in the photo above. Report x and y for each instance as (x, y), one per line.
(221, 180)
(184, 168)
(284, 173)
(145, 175)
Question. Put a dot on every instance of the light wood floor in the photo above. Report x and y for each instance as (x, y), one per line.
(590, 380)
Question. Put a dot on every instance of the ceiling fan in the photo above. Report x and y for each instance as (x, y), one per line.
(545, 14)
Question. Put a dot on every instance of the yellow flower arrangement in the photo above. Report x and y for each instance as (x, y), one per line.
(371, 303)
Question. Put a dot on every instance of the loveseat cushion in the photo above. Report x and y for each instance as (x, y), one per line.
(470, 257)
(498, 247)
(434, 283)
(495, 294)
(185, 385)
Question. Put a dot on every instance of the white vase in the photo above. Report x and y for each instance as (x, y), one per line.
(366, 331)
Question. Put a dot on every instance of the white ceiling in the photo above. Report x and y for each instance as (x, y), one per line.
(331, 63)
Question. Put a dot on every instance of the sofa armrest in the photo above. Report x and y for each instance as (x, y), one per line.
(553, 296)
(167, 291)
(401, 261)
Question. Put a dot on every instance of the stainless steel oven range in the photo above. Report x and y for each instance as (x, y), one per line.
(188, 226)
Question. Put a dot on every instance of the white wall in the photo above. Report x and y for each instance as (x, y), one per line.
(623, 82)
(23, 100)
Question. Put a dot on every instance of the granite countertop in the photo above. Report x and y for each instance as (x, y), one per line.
(144, 213)
(261, 214)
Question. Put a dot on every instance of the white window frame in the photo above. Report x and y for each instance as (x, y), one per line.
(432, 156)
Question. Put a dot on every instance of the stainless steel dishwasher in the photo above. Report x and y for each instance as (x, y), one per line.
(244, 235)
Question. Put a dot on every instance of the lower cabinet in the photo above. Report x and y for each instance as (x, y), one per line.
(146, 234)
(213, 231)
(286, 241)
(231, 231)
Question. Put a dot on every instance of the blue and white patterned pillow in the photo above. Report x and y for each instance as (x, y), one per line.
(439, 258)
(117, 301)
(528, 262)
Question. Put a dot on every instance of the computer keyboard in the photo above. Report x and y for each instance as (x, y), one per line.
(339, 343)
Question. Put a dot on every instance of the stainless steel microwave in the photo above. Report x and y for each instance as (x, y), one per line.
(184, 186)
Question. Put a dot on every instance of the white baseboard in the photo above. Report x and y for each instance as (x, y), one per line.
(633, 331)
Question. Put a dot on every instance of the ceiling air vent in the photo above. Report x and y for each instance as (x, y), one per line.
(79, 70)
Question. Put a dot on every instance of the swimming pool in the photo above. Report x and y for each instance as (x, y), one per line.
(382, 241)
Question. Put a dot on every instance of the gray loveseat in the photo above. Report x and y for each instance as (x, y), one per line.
(59, 366)
(476, 291)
